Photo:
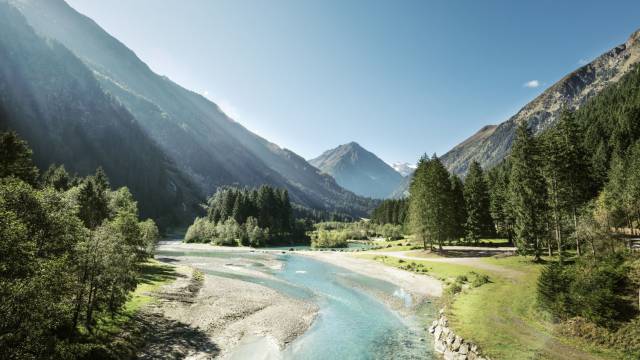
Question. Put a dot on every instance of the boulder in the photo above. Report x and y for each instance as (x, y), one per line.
(457, 341)
(449, 355)
(437, 332)
(439, 347)
(431, 329)
(464, 349)
(450, 338)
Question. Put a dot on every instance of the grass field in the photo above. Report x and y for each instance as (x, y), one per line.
(502, 316)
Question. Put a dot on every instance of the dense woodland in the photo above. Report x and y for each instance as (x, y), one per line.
(248, 217)
(571, 195)
(71, 250)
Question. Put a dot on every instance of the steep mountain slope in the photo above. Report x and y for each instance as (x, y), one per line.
(53, 101)
(204, 142)
(358, 170)
(491, 144)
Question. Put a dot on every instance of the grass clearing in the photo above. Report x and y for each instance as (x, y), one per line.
(445, 272)
(501, 316)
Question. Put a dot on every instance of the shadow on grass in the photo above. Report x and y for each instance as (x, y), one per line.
(169, 339)
(155, 272)
(469, 253)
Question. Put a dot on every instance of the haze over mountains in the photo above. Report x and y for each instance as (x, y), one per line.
(358, 170)
(492, 143)
(195, 145)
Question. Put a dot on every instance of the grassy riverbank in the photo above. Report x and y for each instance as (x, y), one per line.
(501, 315)
(123, 334)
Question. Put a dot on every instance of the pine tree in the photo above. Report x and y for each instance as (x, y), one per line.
(459, 208)
(431, 197)
(417, 203)
(476, 195)
(527, 193)
(15, 159)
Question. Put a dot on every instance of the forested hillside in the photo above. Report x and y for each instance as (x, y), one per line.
(51, 99)
(207, 146)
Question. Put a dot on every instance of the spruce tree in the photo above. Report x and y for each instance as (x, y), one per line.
(476, 195)
(527, 193)
(459, 208)
(417, 203)
(15, 159)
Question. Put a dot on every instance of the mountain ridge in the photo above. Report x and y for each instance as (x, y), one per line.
(492, 143)
(205, 144)
(359, 170)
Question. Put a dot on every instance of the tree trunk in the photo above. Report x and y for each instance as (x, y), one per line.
(575, 230)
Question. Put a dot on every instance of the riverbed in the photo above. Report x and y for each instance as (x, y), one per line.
(355, 316)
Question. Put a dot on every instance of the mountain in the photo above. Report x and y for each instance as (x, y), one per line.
(403, 168)
(358, 170)
(207, 146)
(491, 144)
(53, 101)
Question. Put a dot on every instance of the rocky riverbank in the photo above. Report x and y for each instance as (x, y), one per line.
(450, 345)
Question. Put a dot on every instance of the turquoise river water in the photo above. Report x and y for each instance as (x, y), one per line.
(352, 322)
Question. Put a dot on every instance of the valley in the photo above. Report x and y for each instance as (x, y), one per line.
(141, 219)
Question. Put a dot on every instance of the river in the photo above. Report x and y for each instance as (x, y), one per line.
(354, 320)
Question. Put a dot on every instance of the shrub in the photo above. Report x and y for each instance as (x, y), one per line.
(454, 289)
(461, 279)
(593, 290)
(479, 279)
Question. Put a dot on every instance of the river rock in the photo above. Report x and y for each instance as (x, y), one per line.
(456, 343)
(449, 355)
(452, 346)
(445, 331)
(437, 332)
(451, 338)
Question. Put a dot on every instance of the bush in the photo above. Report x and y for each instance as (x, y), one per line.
(461, 279)
(454, 289)
(479, 279)
(201, 231)
(329, 239)
(591, 289)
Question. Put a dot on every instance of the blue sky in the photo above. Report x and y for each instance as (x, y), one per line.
(402, 78)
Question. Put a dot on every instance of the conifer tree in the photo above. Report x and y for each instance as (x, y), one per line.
(432, 215)
(527, 193)
(479, 222)
(459, 208)
(15, 158)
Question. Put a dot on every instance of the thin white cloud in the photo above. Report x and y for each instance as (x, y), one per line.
(532, 84)
(583, 61)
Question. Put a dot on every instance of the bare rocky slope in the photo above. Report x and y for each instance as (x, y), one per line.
(491, 144)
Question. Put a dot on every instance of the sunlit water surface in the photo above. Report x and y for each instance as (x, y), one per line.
(351, 324)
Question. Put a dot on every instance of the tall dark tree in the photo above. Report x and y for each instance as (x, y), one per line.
(459, 208)
(498, 182)
(527, 193)
(15, 159)
(431, 202)
(476, 195)
(57, 177)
